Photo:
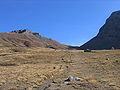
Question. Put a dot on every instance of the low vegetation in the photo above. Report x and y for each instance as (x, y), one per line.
(30, 68)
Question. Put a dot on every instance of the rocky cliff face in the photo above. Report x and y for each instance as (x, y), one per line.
(108, 36)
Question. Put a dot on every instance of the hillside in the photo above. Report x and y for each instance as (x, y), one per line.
(108, 36)
(27, 38)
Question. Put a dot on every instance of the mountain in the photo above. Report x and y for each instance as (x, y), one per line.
(108, 36)
(27, 38)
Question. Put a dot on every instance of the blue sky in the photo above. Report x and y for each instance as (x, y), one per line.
(71, 22)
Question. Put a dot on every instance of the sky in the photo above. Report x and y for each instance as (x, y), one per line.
(70, 22)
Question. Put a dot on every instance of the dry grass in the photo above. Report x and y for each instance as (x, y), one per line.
(30, 67)
(100, 67)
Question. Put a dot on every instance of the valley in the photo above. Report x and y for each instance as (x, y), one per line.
(45, 69)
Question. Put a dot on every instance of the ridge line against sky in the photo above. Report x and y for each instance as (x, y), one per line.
(71, 22)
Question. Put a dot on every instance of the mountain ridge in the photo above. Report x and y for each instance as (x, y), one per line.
(27, 38)
(108, 36)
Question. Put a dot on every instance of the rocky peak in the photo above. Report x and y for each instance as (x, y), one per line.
(108, 36)
(26, 31)
(112, 26)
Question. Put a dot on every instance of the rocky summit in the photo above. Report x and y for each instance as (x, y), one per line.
(108, 36)
(27, 38)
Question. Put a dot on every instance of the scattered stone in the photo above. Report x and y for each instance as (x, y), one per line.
(71, 78)
(2, 82)
(65, 83)
(112, 84)
(35, 86)
(54, 81)
(107, 59)
(78, 79)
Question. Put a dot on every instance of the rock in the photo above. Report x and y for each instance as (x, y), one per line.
(108, 36)
(22, 31)
(71, 78)
(72, 81)
(65, 83)
(87, 50)
(2, 82)
(107, 59)
(78, 79)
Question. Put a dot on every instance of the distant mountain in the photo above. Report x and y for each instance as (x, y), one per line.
(27, 38)
(108, 36)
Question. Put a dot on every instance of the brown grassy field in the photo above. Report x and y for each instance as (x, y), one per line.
(29, 68)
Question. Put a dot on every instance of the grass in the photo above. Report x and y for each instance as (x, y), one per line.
(30, 67)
